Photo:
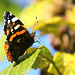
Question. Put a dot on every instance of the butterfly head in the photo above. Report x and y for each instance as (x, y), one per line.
(33, 34)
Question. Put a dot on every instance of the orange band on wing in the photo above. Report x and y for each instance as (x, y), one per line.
(8, 53)
(7, 32)
(5, 47)
(9, 57)
(24, 27)
(17, 33)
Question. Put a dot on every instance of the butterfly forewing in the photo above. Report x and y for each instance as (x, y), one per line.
(18, 38)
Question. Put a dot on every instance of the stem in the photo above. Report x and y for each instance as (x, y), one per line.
(52, 64)
(57, 69)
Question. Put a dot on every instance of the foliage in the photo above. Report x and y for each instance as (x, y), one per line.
(2, 53)
(5, 5)
(57, 20)
(65, 63)
(29, 60)
(32, 13)
(58, 62)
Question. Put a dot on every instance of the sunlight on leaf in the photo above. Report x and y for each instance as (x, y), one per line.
(65, 62)
(69, 64)
(43, 58)
(42, 12)
(26, 65)
(5, 72)
(71, 16)
(53, 22)
(22, 68)
(58, 58)
(2, 52)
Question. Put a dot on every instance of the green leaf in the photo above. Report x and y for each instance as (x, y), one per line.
(65, 63)
(44, 58)
(6, 5)
(58, 58)
(2, 52)
(23, 67)
(4, 72)
(30, 60)
(45, 52)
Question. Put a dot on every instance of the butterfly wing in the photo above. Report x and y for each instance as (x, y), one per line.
(10, 19)
(18, 38)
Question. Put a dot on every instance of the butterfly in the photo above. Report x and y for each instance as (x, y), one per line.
(18, 38)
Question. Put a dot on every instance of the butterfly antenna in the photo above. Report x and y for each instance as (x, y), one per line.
(35, 24)
(37, 39)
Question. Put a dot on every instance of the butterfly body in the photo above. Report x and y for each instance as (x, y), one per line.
(18, 38)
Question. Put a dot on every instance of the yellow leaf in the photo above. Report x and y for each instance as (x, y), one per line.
(58, 58)
(42, 10)
(2, 52)
(69, 64)
(71, 16)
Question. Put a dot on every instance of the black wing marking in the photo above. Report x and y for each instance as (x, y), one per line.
(10, 18)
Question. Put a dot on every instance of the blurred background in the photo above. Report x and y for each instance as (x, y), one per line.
(55, 28)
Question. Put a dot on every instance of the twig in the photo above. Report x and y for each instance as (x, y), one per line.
(53, 65)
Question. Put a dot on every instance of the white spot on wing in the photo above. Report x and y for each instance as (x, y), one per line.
(11, 30)
(10, 14)
(8, 21)
(8, 18)
(17, 26)
(14, 19)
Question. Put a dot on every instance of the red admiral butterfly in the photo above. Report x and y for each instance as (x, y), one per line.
(18, 38)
